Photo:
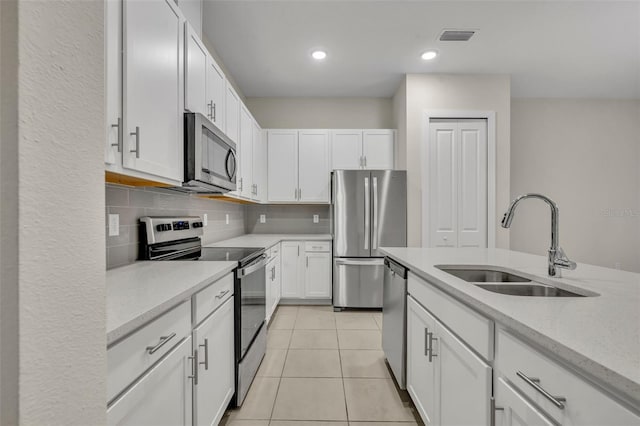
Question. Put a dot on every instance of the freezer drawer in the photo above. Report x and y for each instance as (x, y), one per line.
(357, 282)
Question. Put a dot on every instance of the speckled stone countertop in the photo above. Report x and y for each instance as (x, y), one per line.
(142, 291)
(599, 336)
(268, 240)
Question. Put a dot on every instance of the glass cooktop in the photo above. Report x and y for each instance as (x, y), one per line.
(232, 254)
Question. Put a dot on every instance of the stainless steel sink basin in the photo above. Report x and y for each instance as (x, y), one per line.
(532, 290)
(484, 275)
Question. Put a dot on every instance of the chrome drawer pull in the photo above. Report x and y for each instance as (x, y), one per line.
(163, 341)
(558, 401)
(426, 342)
(206, 354)
(221, 294)
(194, 367)
(431, 339)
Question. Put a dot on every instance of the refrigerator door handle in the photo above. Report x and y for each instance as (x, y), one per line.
(374, 236)
(363, 262)
(367, 213)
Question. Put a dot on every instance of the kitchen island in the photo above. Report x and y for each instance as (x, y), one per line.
(597, 336)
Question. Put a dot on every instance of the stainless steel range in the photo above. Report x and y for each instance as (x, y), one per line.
(178, 238)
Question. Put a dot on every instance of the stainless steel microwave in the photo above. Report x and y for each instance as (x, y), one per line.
(210, 157)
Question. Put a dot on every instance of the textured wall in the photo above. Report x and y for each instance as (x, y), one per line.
(322, 113)
(287, 219)
(133, 203)
(61, 220)
(585, 155)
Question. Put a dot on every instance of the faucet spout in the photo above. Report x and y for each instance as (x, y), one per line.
(557, 257)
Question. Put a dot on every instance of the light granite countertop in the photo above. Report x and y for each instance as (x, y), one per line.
(268, 240)
(140, 292)
(598, 336)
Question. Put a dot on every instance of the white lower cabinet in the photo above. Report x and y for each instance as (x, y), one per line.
(213, 344)
(163, 396)
(273, 282)
(306, 271)
(443, 374)
(292, 277)
(317, 275)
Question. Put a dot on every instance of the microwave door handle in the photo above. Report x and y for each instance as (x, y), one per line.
(231, 155)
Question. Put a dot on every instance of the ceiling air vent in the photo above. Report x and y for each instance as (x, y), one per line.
(456, 35)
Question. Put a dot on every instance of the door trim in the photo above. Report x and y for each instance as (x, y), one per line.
(490, 116)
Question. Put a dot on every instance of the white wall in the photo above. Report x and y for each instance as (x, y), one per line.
(585, 155)
(461, 92)
(322, 113)
(59, 197)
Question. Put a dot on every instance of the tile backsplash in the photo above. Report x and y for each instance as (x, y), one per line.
(287, 219)
(132, 203)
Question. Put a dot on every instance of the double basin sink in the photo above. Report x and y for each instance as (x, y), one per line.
(496, 280)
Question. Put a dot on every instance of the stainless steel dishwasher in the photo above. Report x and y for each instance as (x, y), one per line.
(394, 319)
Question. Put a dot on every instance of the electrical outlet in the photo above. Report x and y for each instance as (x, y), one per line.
(316, 218)
(226, 218)
(263, 218)
(114, 225)
(205, 221)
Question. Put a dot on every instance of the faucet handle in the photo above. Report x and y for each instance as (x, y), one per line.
(562, 261)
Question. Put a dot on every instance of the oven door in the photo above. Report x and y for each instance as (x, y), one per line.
(252, 300)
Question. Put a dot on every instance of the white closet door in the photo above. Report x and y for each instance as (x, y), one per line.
(443, 183)
(346, 149)
(472, 194)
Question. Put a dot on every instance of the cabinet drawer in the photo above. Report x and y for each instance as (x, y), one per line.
(207, 300)
(475, 329)
(585, 404)
(321, 246)
(131, 357)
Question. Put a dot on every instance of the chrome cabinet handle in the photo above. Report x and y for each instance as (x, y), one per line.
(163, 341)
(137, 135)
(431, 339)
(374, 236)
(298, 250)
(365, 161)
(241, 184)
(214, 111)
(118, 143)
(361, 163)
(367, 213)
(221, 294)
(194, 367)
(210, 106)
(426, 342)
(558, 401)
(299, 193)
(206, 354)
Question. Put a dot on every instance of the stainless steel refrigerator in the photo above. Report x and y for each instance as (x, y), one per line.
(369, 211)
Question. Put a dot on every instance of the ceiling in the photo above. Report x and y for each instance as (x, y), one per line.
(550, 48)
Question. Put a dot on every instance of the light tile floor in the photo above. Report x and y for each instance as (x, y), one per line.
(324, 369)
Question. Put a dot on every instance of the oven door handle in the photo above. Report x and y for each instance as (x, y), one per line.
(253, 267)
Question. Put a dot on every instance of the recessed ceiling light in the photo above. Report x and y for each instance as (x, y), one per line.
(429, 54)
(319, 54)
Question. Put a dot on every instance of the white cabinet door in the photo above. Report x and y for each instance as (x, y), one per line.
(458, 183)
(215, 93)
(163, 396)
(232, 113)
(346, 149)
(214, 341)
(277, 289)
(317, 280)
(113, 81)
(378, 149)
(246, 154)
(192, 10)
(195, 77)
(292, 275)
(269, 295)
(153, 88)
(421, 373)
(282, 165)
(313, 166)
(464, 381)
(514, 410)
(259, 164)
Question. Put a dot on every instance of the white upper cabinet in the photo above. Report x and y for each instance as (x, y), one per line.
(259, 164)
(195, 78)
(113, 81)
(245, 184)
(362, 149)
(346, 149)
(192, 11)
(378, 149)
(215, 96)
(153, 88)
(232, 113)
(282, 163)
(313, 166)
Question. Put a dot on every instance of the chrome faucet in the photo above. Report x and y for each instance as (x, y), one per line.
(557, 257)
